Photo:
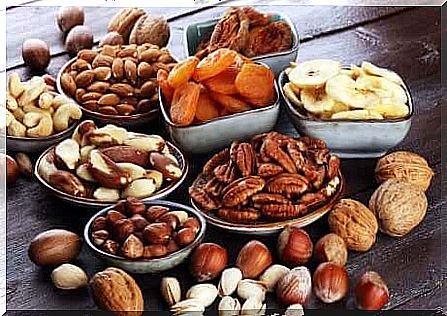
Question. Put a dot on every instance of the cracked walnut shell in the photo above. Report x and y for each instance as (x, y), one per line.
(355, 223)
(407, 166)
(399, 207)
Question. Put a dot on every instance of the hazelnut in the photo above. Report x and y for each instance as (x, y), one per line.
(112, 38)
(122, 229)
(68, 17)
(139, 222)
(154, 251)
(12, 170)
(114, 216)
(54, 247)
(192, 223)
(132, 248)
(371, 292)
(157, 233)
(172, 246)
(99, 223)
(331, 282)
(135, 206)
(182, 216)
(69, 277)
(294, 246)
(110, 246)
(154, 212)
(207, 261)
(100, 236)
(121, 205)
(169, 219)
(331, 248)
(80, 37)
(185, 236)
(295, 287)
(36, 54)
(253, 259)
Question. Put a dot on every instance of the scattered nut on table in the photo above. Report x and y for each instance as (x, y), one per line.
(69, 277)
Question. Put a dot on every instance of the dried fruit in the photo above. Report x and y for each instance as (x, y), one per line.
(294, 246)
(253, 259)
(207, 261)
(184, 103)
(255, 81)
(182, 72)
(214, 64)
(331, 282)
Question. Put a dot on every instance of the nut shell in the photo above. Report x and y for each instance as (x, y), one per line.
(399, 206)
(150, 29)
(331, 248)
(68, 17)
(36, 54)
(331, 282)
(69, 277)
(253, 259)
(407, 166)
(371, 291)
(294, 246)
(207, 261)
(115, 290)
(295, 287)
(355, 223)
(80, 37)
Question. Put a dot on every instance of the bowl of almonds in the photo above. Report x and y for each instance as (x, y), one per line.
(262, 185)
(145, 237)
(97, 167)
(116, 84)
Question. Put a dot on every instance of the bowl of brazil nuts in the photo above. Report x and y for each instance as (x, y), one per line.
(116, 84)
(145, 237)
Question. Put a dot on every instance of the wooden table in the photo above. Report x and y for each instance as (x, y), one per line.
(406, 39)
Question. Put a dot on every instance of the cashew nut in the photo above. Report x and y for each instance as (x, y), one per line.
(40, 124)
(45, 100)
(64, 114)
(15, 128)
(19, 114)
(32, 108)
(15, 85)
(9, 118)
(36, 87)
(11, 103)
(58, 101)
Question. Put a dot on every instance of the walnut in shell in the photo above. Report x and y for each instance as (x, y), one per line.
(355, 223)
(399, 206)
(407, 166)
(150, 29)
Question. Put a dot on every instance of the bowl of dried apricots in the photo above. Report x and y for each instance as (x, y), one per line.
(207, 103)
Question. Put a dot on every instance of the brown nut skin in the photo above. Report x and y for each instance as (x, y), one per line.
(36, 54)
(331, 282)
(113, 216)
(169, 219)
(139, 222)
(154, 212)
(185, 236)
(12, 170)
(100, 236)
(68, 183)
(165, 165)
(331, 248)
(295, 287)
(157, 233)
(80, 37)
(253, 259)
(68, 17)
(172, 246)
(192, 223)
(123, 228)
(155, 251)
(355, 223)
(132, 247)
(99, 223)
(207, 261)
(54, 247)
(115, 290)
(126, 154)
(371, 291)
(294, 246)
(135, 206)
(111, 246)
(112, 38)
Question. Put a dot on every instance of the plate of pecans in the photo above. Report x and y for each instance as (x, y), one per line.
(259, 187)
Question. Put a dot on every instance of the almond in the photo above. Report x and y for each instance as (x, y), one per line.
(103, 73)
(99, 86)
(148, 89)
(80, 65)
(118, 68)
(79, 93)
(109, 50)
(150, 55)
(130, 69)
(109, 99)
(130, 100)
(102, 60)
(145, 105)
(85, 78)
(91, 105)
(130, 51)
(145, 70)
(91, 96)
(87, 54)
(125, 109)
(108, 110)
(68, 84)
(122, 89)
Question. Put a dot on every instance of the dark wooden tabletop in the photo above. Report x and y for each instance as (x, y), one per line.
(406, 39)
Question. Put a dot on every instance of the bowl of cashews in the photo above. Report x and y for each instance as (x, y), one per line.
(36, 116)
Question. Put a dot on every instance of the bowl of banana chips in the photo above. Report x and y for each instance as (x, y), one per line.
(360, 111)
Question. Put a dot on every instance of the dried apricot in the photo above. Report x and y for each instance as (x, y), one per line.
(230, 103)
(260, 102)
(206, 108)
(162, 80)
(182, 72)
(214, 63)
(223, 82)
(255, 81)
(184, 103)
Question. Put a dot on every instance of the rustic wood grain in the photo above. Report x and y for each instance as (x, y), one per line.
(407, 41)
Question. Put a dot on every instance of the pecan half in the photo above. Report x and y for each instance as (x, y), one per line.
(214, 187)
(319, 156)
(240, 190)
(245, 159)
(297, 156)
(218, 159)
(269, 198)
(279, 138)
(312, 199)
(245, 215)
(267, 170)
(287, 184)
(315, 175)
(233, 151)
(225, 173)
(273, 150)
(202, 198)
(306, 143)
(283, 211)
(333, 166)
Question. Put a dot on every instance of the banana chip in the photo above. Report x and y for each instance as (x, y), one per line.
(357, 115)
(290, 94)
(381, 72)
(316, 101)
(391, 110)
(314, 73)
(383, 88)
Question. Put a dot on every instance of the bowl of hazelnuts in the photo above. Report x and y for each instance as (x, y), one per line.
(145, 237)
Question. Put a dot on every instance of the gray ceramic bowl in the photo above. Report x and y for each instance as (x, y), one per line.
(351, 138)
(127, 121)
(148, 265)
(220, 132)
(194, 33)
(95, 204)
(38, 145)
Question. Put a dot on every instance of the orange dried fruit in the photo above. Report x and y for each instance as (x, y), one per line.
(255, 81)
(230, 103)
(206, 108)
(162, 80)
(184, 103)
(223, 82)
(214, 63)
(182, 72)
(260, 102)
